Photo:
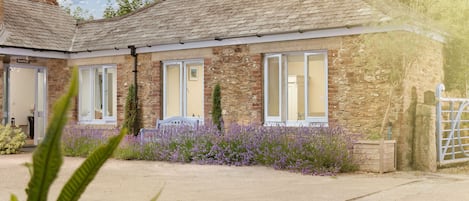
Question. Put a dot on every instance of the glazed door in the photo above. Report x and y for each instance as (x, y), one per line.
(40, 111)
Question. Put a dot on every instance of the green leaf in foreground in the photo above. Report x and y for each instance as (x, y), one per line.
(77, 184)
(48, 158)
(13, 198)
(157, 195)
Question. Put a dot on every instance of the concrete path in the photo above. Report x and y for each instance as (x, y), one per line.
(140, 180)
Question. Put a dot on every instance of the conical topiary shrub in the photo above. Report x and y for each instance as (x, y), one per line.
(132, 119)
(216, 107)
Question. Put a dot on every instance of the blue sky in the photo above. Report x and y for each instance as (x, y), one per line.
(95, 7)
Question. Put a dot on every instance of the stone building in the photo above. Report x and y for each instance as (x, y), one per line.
(286, 62)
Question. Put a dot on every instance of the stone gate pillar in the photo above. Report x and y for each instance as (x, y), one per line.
(424, 155)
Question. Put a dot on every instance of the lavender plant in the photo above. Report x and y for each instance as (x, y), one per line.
(81, 140)
(315, 151)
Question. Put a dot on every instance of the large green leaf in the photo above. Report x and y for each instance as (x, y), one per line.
(13, 198)
(77, 184)
(157, 196)
(48, 158)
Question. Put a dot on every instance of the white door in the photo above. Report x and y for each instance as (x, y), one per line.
(40, 111)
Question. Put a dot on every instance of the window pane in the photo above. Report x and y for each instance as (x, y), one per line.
(110, 92)
(98, 93)
(172, 87)
(273, 87)
(296, 88)
(195, 90)
(85, 93)
(316, 85)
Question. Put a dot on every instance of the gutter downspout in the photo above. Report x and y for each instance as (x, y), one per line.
(133, 53)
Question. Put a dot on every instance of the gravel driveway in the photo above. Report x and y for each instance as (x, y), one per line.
(140, 180)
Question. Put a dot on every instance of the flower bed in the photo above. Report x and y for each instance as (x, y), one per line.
(81, 141)
(305, 150)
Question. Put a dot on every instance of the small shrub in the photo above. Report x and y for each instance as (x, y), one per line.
(130, 149)
(11, 140)
(132, 118)
(216, 107)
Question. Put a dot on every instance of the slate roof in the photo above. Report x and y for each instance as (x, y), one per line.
(30, 24)
(195, 20)
(36, 25)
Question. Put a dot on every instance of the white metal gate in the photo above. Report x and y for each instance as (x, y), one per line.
(452, 128)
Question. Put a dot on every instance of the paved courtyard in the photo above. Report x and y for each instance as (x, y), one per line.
(140, 180)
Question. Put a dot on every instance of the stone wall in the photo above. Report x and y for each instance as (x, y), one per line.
(358, 97)
(361, 99)
(239, 74)
(149, 89)
(423, 77)
(58, 79)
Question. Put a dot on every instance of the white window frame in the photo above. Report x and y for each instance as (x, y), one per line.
(283, 72)
(266, 89)
(91, 119)
(183, 82)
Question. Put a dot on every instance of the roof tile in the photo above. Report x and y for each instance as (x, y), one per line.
(43, 26)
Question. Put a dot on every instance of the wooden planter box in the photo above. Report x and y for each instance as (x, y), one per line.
(375, 155)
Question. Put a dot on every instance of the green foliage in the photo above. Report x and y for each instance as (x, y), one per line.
(306, 150)
(83, 176)
(374, 136)
(11, 139)
(132, 120)
(109, 12)
(81, 14)
(13, 198)
(456, 68)
(125, 7)
(78, 13)
(216, 107)
(80, 146)
(131, 149)
(451, 17)
(48, 157)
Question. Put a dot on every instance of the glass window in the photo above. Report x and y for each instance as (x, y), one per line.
(110, 92)
(172, 88)
(296, 88)
(273, 86)
(184, 89)
(194, 90)
(85, 94)
(316, 85)
(97, 94)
